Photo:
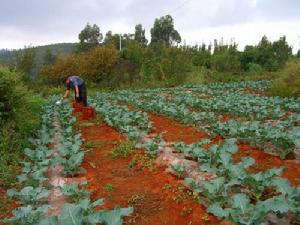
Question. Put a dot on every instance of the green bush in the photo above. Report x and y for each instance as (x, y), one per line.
(288, 82)
(10, 98)
(254, 69)
(20, 110)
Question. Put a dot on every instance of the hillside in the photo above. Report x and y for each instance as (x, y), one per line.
(7, 57)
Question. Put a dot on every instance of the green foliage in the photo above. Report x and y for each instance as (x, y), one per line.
(58, 121)
(139, 35)
(10, 96)
(154, 144)
(238, 195)
(254, 69)
(17, 103)
(98, 64)
(270, 56)
(76, 191)
(288, 82)
(49, 58)
(225, 58)
(89, 37)
(202, 56)
(25, 60)
(111, 39)
(29, 195)
(27, 215)
(95, 66)
(123, 150)
(163, 31)
(134, 123)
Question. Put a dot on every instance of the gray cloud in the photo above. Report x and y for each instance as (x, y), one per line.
(63, 19)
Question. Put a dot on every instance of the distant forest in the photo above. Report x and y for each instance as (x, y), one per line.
(113, 61)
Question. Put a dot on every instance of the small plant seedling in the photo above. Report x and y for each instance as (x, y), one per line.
(123, 150)
(167, 186)
(147, 162)
(186, 211)
(132, 163)
(109, 188)
(135, 199)
(93, 144)
(179, 170)
(205, 218)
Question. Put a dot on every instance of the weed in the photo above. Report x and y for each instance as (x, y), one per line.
(205, 218)
(94, 144)
(186, 211)
(181, 194)
(132, 163)
(135, 199)
(109, 187)
(143, 162)
(123, 150)
(167, 186)
(147, 162)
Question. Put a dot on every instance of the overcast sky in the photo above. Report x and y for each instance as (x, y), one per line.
(40, 22)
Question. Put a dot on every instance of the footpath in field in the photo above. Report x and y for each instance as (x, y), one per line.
(157, 197)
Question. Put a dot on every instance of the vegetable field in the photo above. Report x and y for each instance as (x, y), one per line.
(210, 154)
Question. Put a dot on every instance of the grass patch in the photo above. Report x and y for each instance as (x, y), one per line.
(123, 150)
(288, 82)
(93, 144)
(109, 188)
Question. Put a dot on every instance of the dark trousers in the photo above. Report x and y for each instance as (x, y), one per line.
(82, 95)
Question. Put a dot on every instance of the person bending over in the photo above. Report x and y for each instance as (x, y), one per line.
(76, 83)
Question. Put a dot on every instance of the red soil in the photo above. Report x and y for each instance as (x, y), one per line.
(175, 131)
(266, 161)
(146, 190)
(6, 205)
(188, 134)
(157, 197)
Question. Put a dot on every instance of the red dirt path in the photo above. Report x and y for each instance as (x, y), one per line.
(175, 131)
(157, 197)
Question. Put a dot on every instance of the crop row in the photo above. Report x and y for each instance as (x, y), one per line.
(280, 137)
(236, 195)
(57, 145)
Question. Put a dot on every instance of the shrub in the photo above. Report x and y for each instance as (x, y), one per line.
(254, 69)
(19, 118)
(10, 97)
(97, 65)
(288, 82)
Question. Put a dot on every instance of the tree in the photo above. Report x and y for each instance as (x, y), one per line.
(25, 60)
(139, 35)
(281, 51)
(111, 39)
(49, 58)
(163, 31)
(89, 37)
(114, 39)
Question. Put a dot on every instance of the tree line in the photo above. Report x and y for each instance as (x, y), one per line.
(160, 61)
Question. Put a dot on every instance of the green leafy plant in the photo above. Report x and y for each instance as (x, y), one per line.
(76, 191)
(123, 150)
